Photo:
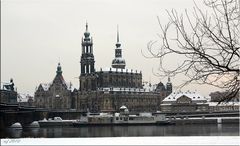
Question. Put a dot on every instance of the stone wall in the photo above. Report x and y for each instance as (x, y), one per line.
(119, 79)
(99, 101)
(8, 97)
(57, 97)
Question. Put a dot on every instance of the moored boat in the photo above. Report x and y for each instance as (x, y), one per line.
(56, 121)
(122, 118)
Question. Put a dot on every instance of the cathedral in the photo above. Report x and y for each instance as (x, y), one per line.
(105, 90)
(110, 88)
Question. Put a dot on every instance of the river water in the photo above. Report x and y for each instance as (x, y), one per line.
(125, 131)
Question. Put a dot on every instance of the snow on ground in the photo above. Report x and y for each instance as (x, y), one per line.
(181, 140)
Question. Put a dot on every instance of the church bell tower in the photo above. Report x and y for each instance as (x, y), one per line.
(118, 61)
(87, 77)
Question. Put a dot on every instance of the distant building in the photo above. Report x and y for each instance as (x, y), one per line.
(25, 100)
(224, 106)
(109, 89)
(55, 95)
(218, 96)
(182, 102)
(8, 93)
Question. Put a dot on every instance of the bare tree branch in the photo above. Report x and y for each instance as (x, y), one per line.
(209, 43)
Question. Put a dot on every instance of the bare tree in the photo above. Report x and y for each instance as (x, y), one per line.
(209, 43)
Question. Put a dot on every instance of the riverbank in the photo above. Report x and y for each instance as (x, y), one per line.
(193, 140)
(206, 120)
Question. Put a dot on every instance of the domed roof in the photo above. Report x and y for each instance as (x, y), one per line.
(118, 44)
(160, 87)
(86, 34)
(118, 61)
(160, 84)
(123, 107)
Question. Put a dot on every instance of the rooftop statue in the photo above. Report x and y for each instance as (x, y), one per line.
(9, 86)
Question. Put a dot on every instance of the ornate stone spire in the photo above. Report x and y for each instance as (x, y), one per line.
(118, 44)
(118, 61)
(86, 33)
(86, 26)
(87, 58)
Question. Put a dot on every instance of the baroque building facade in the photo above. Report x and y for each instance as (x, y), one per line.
(55, 95)
(218, 96)
(110, 88)
(184, 102)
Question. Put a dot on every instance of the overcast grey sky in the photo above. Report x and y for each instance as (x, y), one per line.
(36, 33)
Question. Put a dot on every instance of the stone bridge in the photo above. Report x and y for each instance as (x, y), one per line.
(10, 114)
(13, 113)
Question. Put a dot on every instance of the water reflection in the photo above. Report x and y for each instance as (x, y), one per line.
(33, 132)
(12, 132)
(219, 126)
(126, 131)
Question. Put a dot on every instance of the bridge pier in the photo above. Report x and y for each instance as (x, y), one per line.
(25, 118)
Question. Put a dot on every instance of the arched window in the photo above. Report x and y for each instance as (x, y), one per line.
(86, 49)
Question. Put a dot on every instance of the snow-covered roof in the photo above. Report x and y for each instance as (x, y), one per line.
(118, 89)
(192, 95)
(149, 87)
(208, 98)
(123, 107)
(45, 86)
(69, 86)
(119, 70)
(23, 97)
(2, 84)
(118, 60)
